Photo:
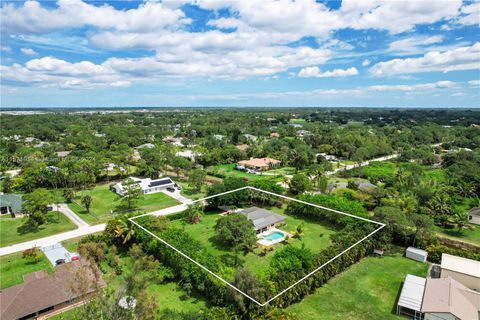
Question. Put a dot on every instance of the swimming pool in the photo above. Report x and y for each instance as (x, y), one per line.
(274, 236)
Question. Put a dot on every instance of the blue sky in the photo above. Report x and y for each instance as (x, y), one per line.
(369, 53)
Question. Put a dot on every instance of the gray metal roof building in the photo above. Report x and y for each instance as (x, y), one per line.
(262, 218)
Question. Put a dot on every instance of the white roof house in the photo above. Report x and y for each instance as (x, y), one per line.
(146, 145)
(463, 270)
(188, 154)
(411, 296)
(147, 185)
(462, 265)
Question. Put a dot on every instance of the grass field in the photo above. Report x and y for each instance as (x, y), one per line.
(14, 230)
(229, 171)
(367, 290)
(316, 237)
(13, 267)
(471, 236)
(104, 200)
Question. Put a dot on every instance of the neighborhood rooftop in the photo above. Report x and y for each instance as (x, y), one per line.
(42, 292)
(262, 218)
(462, 265)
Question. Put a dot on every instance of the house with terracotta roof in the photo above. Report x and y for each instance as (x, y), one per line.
(41, 293)
(260, 164)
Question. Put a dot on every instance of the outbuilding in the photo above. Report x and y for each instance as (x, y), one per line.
(416, 254)
(474, 215)
(411, 298)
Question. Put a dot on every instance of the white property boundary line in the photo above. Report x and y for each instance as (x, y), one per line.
(381, 225)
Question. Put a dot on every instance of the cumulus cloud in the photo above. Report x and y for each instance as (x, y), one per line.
(474, 83)
(463, 58)
(314, 71)
(255, 40)
(366, 63)
(32, 17)
(414, 44)
(28, 51)
(470, 14)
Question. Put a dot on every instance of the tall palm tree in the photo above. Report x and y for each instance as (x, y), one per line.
(460, 220)
(124, 229)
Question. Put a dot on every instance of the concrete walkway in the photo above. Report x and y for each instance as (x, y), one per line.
(63, 208)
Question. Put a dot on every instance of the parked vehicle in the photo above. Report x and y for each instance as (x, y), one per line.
(171, 189)
(59, 261)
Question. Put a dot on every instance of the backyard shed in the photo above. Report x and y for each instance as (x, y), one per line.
(411, 297)
(416, 254)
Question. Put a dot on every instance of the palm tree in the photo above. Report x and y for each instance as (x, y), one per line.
(300, 230)
(124, 229)
(194, 213)
(460, 220)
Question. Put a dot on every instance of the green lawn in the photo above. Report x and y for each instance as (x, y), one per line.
(230, 171)
(367, 290)
(471, 236)
(15, 230)
(104, 200)
(13, 267)
(316, 237)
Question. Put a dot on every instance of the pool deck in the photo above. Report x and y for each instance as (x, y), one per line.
(268, 243)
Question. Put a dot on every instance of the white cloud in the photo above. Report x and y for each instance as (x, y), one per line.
(5, 49)
(414, 44)
(396, 16)
(310, 72)
(470, 14)
(463, 58)
(366, 63)
(33, 18)
(28, 51)
(474, 83)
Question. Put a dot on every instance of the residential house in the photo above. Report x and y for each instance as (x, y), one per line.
(146, 145)
(250, 137)
(147, 185)
(474, 215)
(463, 270)
(262, 219)
(41, 293)
(303, 133)
(218, 136)
(189, 154)
(451, 294)
(62, 154)
(448, 299)
(260, 164)
(11, 203)
(242, 147)
(275, 135)
(173, 141)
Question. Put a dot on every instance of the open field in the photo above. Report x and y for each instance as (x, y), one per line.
(470, 236)
(367, 290)
(316, 237)
(104, 200)
(13, 267)
(229, 171)
(15, 230)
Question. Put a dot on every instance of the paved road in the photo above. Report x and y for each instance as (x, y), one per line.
(63, 208)
(46, 241)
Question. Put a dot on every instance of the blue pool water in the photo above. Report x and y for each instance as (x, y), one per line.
(273, 236)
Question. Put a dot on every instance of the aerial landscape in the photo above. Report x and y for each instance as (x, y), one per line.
(294, 160)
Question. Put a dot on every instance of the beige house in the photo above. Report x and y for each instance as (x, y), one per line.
(465, 271)
(448, 299)
(260, 164)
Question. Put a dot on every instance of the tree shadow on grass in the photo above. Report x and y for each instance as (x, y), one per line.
(27, 227)
(454, 233)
